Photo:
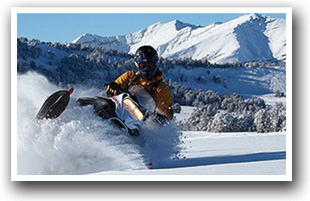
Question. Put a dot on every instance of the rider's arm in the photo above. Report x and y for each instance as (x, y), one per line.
(164, 101)
(124, 79)
(120, 84)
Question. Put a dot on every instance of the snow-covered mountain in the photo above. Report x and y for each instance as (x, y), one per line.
(247, 38)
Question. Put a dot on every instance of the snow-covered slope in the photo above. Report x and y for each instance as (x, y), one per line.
(247, 38)
(250, 79)
(247, 81)
(225, 154)
(78, 142)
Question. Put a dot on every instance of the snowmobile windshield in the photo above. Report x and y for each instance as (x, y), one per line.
(133, 109)
(143, 97)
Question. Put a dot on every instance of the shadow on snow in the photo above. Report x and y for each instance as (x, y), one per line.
(217, 160)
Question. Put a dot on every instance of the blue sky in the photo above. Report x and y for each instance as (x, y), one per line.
(66, 27)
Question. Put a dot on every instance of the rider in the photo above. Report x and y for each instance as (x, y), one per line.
(150, 77)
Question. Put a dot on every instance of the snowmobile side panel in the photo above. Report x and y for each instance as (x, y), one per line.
(102, 107)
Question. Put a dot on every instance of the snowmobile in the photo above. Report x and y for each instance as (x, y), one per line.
(128, 110)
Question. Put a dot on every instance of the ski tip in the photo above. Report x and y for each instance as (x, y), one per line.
(70, 91)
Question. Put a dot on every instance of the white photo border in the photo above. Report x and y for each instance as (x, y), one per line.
(289, 87)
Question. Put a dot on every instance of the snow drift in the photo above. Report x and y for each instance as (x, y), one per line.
(78, 142)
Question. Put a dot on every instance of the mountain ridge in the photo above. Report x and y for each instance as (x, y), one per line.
(247, 38)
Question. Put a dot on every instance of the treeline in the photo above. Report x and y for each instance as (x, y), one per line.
(228, 113)
(97, 67)
(213, 119)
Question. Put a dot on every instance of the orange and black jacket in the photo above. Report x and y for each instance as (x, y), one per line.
(161, 93)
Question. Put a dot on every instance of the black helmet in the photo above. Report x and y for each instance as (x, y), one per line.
(146, 59)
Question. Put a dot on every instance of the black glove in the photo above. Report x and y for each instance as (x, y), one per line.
(161, 119)
(113, 89)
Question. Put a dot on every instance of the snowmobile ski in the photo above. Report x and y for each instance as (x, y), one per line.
(54, 105)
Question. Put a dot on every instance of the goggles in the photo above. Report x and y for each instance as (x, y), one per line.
(146, 66)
